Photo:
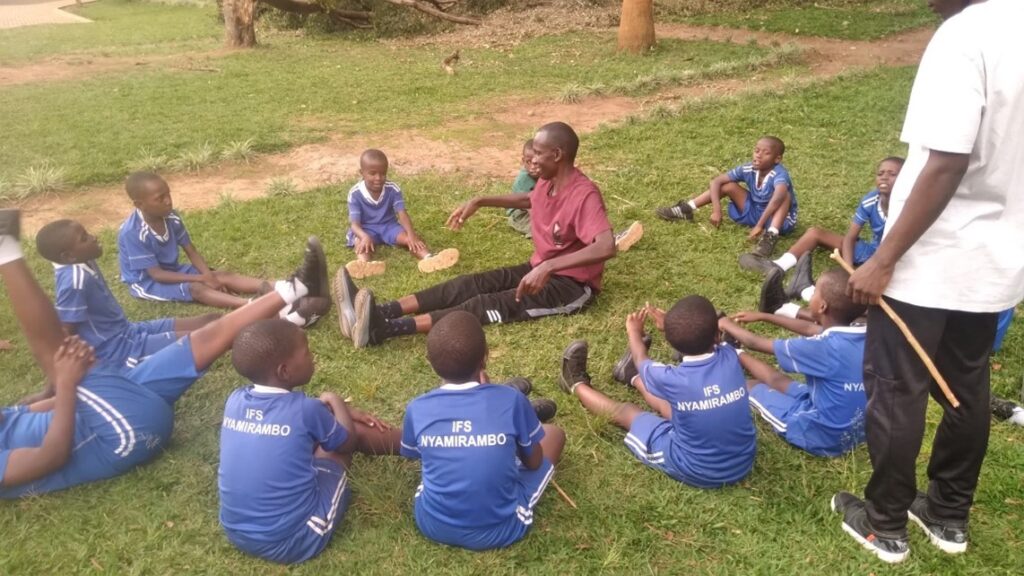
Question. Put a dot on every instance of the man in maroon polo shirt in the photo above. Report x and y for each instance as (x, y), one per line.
(572, 239)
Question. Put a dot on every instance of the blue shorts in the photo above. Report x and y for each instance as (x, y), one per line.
(795, 418)
(124, 418)
(379, 233)
(650, 440)
(531, 487)
(138, 342)
(752, 213)
(862, 251)
(149, 289)
(332, 499)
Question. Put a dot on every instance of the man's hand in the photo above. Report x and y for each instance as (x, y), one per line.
(416, 246)
(370, 420)
(868, 282)
(657, 315)
(635, 323)
(716, 216)
(755, 232)
(747, 317)
(534, 281)
(71, 362)
(461, 214)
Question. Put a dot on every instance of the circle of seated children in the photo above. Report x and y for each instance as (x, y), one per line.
(115, 382)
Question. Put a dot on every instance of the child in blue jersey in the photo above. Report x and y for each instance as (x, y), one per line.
(148, 244)
(121, 418)
(486, 457)
(761, 195)
(284, 457)
(526, 179)
(825, 415)
(87, 308)
(377, 215)
(702, 434)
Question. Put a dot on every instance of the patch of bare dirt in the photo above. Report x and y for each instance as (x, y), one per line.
(74, 67)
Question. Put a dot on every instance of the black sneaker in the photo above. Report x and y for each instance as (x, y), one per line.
(306, 311)
(1001, 408)
(625, 370)
(544, 408)
(345, 291)
(888, 548)
(10, 223)
(802, 275)
(773, 295)
(755, 263)
(369, 327)
(313, 271)
(675, 212)
(766, 245)
(948, 537)
(520, 383)
(574, 366)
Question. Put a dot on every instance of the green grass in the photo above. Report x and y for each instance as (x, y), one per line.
(119, 28)
(847, 20)
(162, 518)
(294, 90)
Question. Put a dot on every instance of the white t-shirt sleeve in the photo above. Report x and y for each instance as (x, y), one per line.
(948, 97)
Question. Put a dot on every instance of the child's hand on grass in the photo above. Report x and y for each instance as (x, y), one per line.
(716, 217)
(71, 362)
(365, 245)
(417, 246)
(755, 232)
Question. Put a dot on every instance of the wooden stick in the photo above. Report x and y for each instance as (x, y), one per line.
(563, 494)
(908, 335)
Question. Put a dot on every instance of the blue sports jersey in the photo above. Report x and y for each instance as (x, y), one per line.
(84, 299)
(870, 212)
(363, 209)
(713, 440)
(139, 247)
(468, 437)
(267, 482)
(833, 365)
(762, 194)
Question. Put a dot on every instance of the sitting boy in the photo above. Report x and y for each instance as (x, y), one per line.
(87, 308)
(825, 416)
(122, 418)
(871, 211)
(519, 218)
(761, 193)
(377, 215)
(703, 434)
(486, 457)
(284, 457)
(148, 251)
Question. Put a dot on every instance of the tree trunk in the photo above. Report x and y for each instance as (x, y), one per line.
(240, 23)
(636, 26)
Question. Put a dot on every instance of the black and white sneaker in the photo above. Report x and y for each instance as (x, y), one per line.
(10, 223)
(625, 370)
(313, 270)
(766, 244)
(948, 537)
(675, 212)
(369, 327)
(891, 548)
(520, 383)
(306, 311)
(345, 291)
(773, 295)
(803, 277)
(544, 408)
(755, 263)
(574, 366)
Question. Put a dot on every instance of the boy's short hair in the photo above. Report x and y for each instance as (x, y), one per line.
(137, 182)
(832, 284)
(528, 145)
(456, 347)
(53, 239)
(691, 325)
(372, 155)
(263, 346)
(563, 137)
(777, 142)
(894, 159)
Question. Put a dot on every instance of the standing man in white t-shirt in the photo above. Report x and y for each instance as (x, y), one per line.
(951, 260)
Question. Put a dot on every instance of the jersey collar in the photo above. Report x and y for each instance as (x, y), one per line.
(260, 388)
(857, 329)
(463, 386)
(85, 265)
(698, 357)
(369, 197)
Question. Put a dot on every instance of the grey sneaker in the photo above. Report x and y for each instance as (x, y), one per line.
(520, 383)
(544, 408)
(891, 548)
(369, 328)
(345, 291)
(946, 536)
(755, 263)
(625, 370)
(574, 366)
(773, 295)
(675, 212)
(766, 244)
(802, 275)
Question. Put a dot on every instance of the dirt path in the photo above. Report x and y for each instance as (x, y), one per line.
(334, 161)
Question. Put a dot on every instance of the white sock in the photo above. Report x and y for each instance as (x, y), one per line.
(290, 290)
(692, 204)
(632, 381)
(807, 293)
(1017, 417)
(10, 250)
(773, 230)
(786, 261)
(789, 310)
